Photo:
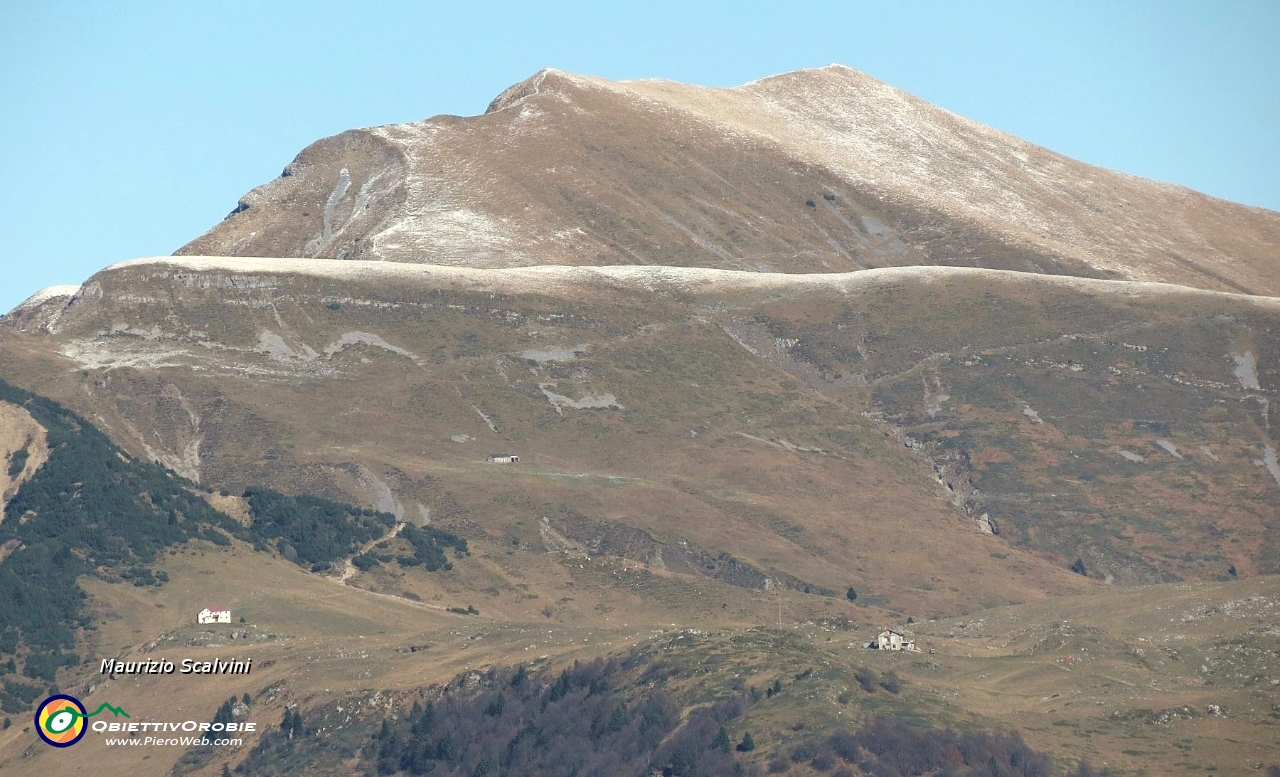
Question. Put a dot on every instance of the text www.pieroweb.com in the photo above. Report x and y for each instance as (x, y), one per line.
(172, 742)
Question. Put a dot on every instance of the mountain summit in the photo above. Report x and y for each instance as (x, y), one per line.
(776, 372)
(825, 170)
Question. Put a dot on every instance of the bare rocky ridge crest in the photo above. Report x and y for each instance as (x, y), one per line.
(817, 170)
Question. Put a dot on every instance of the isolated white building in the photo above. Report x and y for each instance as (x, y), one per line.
(894, 640)
(503, 458)
(214, 615)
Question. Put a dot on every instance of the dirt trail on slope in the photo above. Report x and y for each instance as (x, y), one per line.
(19, 432)
(349, 570)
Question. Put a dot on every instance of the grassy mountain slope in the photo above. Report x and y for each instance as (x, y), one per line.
(1123, 678)
(784, 365)
(788, 469)
(89, 511)
(816, 429)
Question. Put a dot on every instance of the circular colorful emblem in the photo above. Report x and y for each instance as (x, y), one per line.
(60, 720)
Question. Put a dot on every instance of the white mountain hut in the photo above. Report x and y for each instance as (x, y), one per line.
(894, 640)
(214, 615)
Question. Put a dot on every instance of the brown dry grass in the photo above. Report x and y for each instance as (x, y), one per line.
(19, 431)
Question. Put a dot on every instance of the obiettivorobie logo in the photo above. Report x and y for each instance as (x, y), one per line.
(61, 720)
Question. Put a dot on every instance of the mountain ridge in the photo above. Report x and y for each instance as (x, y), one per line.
(810, 171)
(49, 303)
(999, 384)
(784, 365)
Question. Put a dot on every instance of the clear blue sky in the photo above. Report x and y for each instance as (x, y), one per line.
(126, 129)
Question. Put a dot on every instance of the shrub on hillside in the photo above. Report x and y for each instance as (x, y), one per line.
(892, 746)
(17, 461)
(891, 682)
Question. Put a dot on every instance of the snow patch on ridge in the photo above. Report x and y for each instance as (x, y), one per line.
(1270, 461)
(933, 401)
(874, 135)
(44, 315)
(553, 354)
(438, 218)
(384, 498)
(697, 280)
(185, 460)
(588, 401)
(113, 354)
(1246, 370)
(783, 444)
(484, 417)
(349, 339)
(274, 347)
(46, 294)
(339, 191)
